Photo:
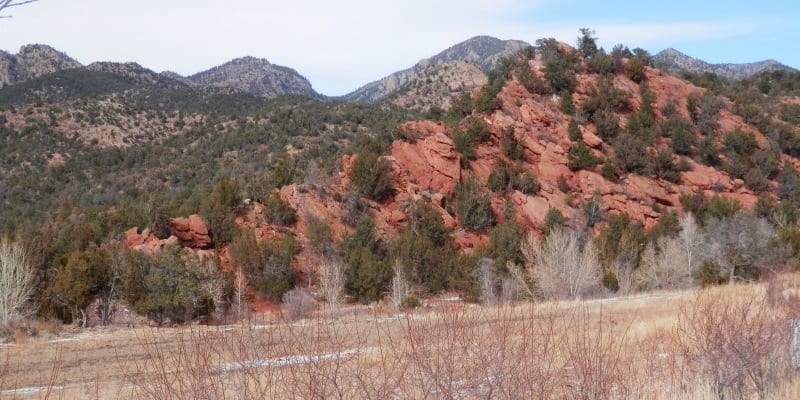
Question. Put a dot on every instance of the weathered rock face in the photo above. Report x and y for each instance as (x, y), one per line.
(436, 85)
(32, 61)
(256, 76)
(191, 232)
(429, 164)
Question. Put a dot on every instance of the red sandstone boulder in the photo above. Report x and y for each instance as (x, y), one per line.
(191, 232)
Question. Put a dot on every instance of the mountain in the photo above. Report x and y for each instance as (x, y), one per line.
(483, 51)
(250, 75)
(436, 84)
(256, 76)
(32, 61)
(674, 61)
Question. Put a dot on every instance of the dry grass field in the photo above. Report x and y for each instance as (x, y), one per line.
(729, 342)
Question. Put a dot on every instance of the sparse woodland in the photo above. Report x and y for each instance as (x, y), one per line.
(719, 273)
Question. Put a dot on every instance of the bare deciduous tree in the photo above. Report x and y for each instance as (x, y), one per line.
(16, 281)
(666, 268)
(4, 4)
(690, 238)
(737, 244)
(560, 265)
(331, 282)
(399, 285)
(487, 281)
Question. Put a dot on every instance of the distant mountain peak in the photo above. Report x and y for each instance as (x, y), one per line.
(482, 51)
(675, 61)
(256, 76)
(33, 61)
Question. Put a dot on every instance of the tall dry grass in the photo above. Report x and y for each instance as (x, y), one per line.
(724, 343)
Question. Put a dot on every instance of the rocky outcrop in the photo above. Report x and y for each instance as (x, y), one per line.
(146, 242)
(436, 85)
(256, 76)
(429, 164)
(191, 232)
(32, 61)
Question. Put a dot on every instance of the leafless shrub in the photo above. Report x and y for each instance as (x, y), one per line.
(736, 343)
(297, 303)
(691, 239)
(739, 244)
(16, 281)
(561, 266)
(666, 268)
(487, 280)
(485, 353)
(331, 282)
(400, 289)
(593, 350)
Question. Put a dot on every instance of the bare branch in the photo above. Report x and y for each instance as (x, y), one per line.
(4, 4)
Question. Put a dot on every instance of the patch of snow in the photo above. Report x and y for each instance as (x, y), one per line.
(78, 337)
(286, 361)
(30, 390)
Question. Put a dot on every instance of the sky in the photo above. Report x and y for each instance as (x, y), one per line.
(341, 45)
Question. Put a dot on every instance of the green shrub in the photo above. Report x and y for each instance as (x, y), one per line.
(410, 303)
(464, 145)
(661, 166)
(371, 176)
(602, 64)
(605, 96)
(278, 211)
(740, 143)
(683, 140)
(574, 131)
(511, 146)
(501, 178)
(610, 171)
(635, 68)
(170, 285)
(424, 221)
(473, 206)
(566, 103)
(220, 209)
(367, 276)
(708, 152)
(630, 153)
(607, 123)
(269, 266)
(476, 128)
(505, 242)
(721, 207)
(708, 274)
(704, 110)
(553, 220)
(610, 280)
(530, 81)
(581, 157)
(429, 265)
(526, 183)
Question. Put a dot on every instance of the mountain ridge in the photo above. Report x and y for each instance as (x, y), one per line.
(675, 61)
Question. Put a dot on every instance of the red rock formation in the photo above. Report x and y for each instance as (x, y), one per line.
(191, 232)
(430, 163)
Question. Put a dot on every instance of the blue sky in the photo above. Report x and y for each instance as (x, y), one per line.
(340, 45)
